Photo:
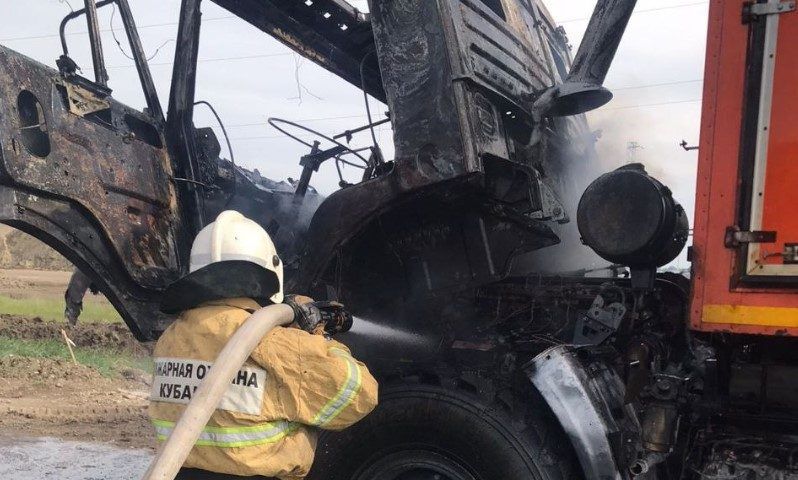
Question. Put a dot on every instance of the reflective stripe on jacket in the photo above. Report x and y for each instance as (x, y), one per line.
(266, 424)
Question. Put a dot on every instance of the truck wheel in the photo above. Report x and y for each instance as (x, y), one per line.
(431, 433)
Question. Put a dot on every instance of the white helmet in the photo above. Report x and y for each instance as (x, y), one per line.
(231, 257)
(235, 237)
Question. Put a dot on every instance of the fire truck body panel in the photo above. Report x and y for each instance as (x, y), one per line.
(746, 177)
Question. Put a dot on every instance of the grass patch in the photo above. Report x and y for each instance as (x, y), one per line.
(53, 309)
(107, 361)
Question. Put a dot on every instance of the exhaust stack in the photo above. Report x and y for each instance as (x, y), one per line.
(584, 89)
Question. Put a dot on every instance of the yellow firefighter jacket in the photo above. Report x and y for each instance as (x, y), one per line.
(293, 383)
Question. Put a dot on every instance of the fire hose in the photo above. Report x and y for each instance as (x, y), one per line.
(177, 447)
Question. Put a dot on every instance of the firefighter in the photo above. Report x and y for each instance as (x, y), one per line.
(79, 284)
(295, 382)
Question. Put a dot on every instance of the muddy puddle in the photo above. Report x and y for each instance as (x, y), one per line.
(50, 458)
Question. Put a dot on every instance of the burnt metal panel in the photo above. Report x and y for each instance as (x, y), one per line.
(99, 190)
(66, 227)
(96, 161)
(498, 52)
(425, 105)
(460, 81)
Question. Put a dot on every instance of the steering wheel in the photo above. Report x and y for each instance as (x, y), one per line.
(275, 122)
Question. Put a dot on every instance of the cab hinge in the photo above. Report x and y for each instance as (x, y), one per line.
(752, 9)
(735, 237)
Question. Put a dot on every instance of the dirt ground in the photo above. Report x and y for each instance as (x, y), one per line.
(42, 397)
(20, 250)
(23, 283)
(55, 398)
(115, 336)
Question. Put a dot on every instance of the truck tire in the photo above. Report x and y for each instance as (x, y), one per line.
(421, 432)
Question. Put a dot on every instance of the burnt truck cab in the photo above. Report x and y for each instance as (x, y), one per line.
(483, 160)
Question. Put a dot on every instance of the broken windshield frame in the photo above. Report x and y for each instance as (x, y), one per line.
(68, 67)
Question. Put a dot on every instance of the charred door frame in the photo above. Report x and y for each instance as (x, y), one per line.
(179, 124)
(136, 49)
(70, 227)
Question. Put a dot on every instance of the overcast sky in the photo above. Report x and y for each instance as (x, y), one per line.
(249, 77)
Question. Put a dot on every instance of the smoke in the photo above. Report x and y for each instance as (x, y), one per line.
(620, 145)
(569, 174)
(623, 135)
(649, 137)
(646, 137)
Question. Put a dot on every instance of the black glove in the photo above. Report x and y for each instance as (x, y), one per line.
(306, 314)
(335, 317)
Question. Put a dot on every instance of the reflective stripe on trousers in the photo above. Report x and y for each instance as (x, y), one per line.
(231, 437)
